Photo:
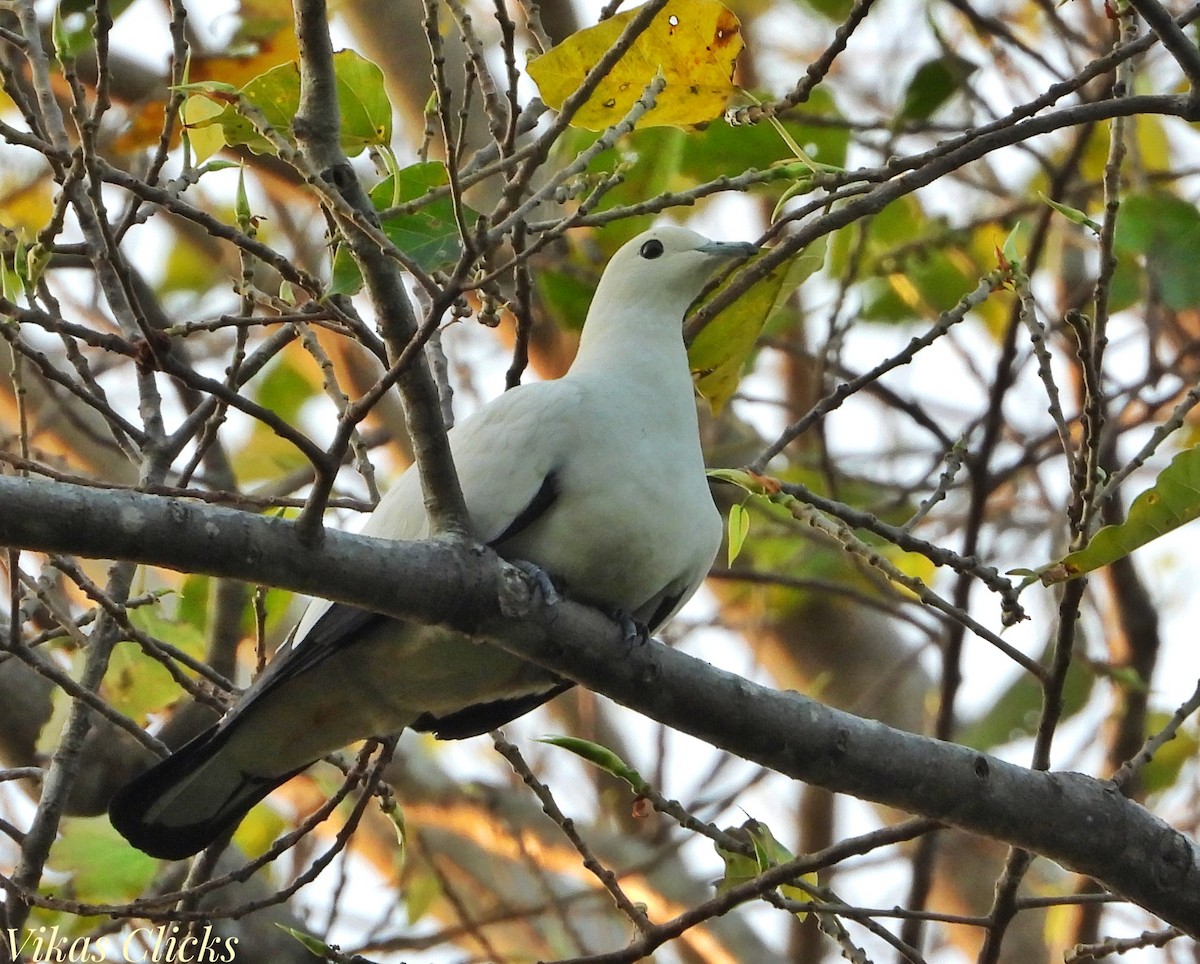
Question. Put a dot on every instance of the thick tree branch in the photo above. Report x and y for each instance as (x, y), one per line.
(1082, 823)
(316, 127)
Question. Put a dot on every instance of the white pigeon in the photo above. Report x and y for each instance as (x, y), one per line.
(596, 478)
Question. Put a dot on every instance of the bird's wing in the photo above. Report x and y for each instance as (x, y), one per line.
(504, 454)
(506, 459)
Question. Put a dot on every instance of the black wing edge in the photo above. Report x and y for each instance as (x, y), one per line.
(539, 505)
(482, 717)
(665, 607)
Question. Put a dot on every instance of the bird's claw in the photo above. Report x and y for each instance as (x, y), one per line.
(541, 579)
(529, 584)
(634, 630)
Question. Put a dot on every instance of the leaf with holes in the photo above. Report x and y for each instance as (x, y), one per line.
(692, 43)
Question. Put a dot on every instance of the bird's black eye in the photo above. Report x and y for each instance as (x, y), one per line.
(652, 249)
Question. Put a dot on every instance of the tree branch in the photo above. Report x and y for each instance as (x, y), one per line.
(1173, 38)
(1080, 822)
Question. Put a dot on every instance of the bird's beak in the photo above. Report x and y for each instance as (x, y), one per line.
(729, 249)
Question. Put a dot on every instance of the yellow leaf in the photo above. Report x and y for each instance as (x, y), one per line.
(26, 205)
(912, 564)
(259, 830)
(205, 140)
(692, 43)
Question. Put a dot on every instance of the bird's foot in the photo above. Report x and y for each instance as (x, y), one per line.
(529, 586)
(541, 579)
(634, 630)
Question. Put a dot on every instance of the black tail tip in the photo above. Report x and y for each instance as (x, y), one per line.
(127, 813)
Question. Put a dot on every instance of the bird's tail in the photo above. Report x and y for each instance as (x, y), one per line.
(185, 802)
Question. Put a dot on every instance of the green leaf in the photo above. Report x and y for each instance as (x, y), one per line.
(72, 25)
(103, 867)
(739, 869)
(193, 599)
(59, 37)
(643, 159)
(420, 891)
(1164, 231)
(1013, 248)
(834, 11)
(1163, 769)
(902, 222)
(275, 94)
(344, 276)
(768, 853)
(1125, 676)
(1070, 213)
(921, 287)
(241, 202)
(720, 352)
(566, 294)
(366, 114)
(218, 87)
(363, 102)
(602, 757)
(915, 266)
(311, 944)
(1173, 501)
(428, 235)
(218, 166)
(285, 387)
(395, 814)
(723, 149)
(933, 84)
(136, 684)
(1015, 712)
(738, 528)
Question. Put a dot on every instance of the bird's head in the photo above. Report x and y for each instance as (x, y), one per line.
(636, 317)
(666, 266)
